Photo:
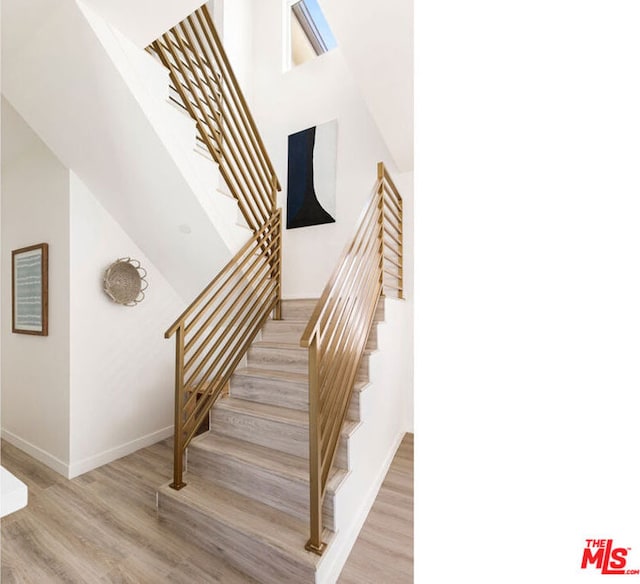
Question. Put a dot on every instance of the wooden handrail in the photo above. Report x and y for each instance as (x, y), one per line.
(336, 334)
(215, 331)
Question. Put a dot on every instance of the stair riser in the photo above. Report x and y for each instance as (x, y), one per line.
(280, 393)
(283, 331)
(288, 438)
(303, 309)
(262, 562)
(271, 391)
(286, 494)
(293, 360)
(298, 309)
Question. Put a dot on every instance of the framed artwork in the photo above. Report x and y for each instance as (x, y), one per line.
(311, 176)
(30, 290)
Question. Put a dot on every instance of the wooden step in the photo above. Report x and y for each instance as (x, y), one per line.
(258, 539)
(290, 357)
(302, 309)
(298, 309)
(278, 356)
(290, 331)
(276, 388)
(284, 389)
(269, 476)
(282, 429)
(286, 330)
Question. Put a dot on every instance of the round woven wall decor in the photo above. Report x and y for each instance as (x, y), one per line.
(124, 281)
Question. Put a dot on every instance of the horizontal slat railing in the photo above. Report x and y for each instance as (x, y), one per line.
(208, 90)
(214, 333)
(336, 335)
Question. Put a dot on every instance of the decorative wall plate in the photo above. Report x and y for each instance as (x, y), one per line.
(124, 281)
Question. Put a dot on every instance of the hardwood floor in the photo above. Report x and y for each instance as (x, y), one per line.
(384, 550)
(103, 528)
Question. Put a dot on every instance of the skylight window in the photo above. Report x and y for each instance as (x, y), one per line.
(310, 32)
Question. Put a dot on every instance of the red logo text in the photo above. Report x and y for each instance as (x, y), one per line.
(601, 554)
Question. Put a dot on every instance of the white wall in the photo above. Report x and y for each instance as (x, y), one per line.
(315, 92)
(385, 416)
(143, 21)
(235, 26)
(101, 384)
(35, 369)
(410, 333)
(70, 83)
(122, 368)
(377, 42)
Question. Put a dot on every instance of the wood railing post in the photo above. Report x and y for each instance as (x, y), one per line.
(178, 430)
(315, 543)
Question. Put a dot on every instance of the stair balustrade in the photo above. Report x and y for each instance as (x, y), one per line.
(214, 333)
(336, 335)
(203, 80)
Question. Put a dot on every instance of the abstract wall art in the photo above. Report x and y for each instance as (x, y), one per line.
(311, 180)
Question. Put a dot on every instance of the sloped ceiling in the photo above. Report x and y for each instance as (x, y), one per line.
(143, 21)
(376, 38)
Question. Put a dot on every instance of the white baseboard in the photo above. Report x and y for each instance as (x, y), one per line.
(40, 455)
(87, 464)
(332, 564)
(72, 470)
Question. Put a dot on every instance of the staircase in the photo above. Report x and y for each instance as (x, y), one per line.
(298, 438)
(247, 493)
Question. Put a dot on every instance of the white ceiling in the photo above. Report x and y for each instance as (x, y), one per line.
(17, 136)
(143, 21)
(376, 39)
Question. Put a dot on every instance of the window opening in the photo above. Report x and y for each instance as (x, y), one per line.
(310, 32)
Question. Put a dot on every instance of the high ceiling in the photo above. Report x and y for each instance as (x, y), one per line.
(376, 39)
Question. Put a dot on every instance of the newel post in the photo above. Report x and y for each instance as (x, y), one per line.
(315, 543)
(178, 431)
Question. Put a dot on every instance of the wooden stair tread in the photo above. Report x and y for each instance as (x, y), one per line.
(274, 461)
(252, 518)
(274, 413)
(282, 375)
(269, 412)
(287, 346)
(278, 345)
(278, 374)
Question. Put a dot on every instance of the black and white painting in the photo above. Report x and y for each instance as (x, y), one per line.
(311, 184)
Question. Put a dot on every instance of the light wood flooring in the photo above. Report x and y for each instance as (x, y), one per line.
(102, 527)
(383, 552)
